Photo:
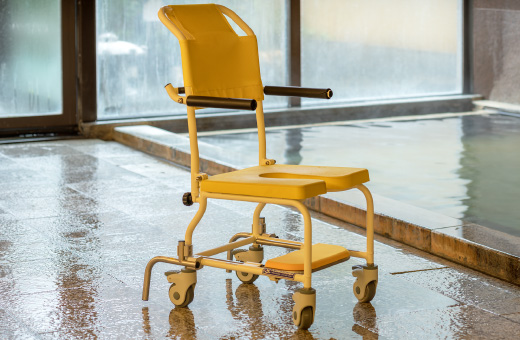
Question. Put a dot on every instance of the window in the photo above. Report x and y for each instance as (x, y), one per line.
(30, 58)
(137, 55)
(377, 49)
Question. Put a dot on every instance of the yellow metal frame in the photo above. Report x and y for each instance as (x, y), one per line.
(202, 259)
(258, 236)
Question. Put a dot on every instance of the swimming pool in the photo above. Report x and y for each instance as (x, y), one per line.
(465, 166)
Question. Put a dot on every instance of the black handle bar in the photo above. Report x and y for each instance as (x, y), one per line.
(294, 91)
(221, 103)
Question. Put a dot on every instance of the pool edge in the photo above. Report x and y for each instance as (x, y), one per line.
(468, 253)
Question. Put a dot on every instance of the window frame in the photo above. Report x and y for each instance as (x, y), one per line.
(293, 60)
(78, 23)
(66, 121)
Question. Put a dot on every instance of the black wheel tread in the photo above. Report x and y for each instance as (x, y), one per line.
(306, 318)
(190, 295)
(253, 279)
(370, 292)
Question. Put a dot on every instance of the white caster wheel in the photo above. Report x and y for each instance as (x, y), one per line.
(251, 255)
(306, 318)
(182, 289)
(369, 292)
(366, 282)
(176, 296)
(304, 307)
(246, 277)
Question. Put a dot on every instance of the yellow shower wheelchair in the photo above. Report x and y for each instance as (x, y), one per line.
(221, 70)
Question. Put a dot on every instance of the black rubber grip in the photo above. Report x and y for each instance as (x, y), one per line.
(293, 91)
(221, 103)
(180, 90)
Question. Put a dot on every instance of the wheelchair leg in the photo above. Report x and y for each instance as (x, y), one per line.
(184, 249)
(366, 276)
(307, 245)
(369, 223)
(257, 226)
(203, 202)
(305, 298)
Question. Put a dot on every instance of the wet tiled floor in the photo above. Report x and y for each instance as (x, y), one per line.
(80, 219)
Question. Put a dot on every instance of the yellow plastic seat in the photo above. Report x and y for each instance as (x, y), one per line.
(322, 256)
(285, 181)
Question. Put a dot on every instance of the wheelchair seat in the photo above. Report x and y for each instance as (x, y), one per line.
(285, 181)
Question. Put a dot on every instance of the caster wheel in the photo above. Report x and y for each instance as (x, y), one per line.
(306, 318)
(175, 296)
(247, 277)
(304, 307)
(243, 276)
(370, 292)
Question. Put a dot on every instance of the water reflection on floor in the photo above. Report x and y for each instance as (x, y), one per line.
(79, 220)
(466, 166)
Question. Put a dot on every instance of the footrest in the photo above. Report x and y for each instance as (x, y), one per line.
(322, 255)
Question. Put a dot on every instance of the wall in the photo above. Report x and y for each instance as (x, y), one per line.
(496, 49)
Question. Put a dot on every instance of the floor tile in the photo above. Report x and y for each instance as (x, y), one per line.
(74, 246)
(469, 288)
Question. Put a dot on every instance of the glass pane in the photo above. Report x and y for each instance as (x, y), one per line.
(30, 58)
(377, 49)
(137, 56)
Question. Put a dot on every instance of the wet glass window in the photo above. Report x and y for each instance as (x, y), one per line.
(137, 56)
(377, 49)
(30, 58)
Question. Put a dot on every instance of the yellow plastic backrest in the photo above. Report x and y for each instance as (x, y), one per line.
(215, 60)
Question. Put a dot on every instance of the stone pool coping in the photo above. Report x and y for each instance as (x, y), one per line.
(474, 246)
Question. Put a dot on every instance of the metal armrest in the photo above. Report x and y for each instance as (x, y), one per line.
(215, 102)
(221, 103)
(294, 91)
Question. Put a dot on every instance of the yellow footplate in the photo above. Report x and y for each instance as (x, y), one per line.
(322, 256)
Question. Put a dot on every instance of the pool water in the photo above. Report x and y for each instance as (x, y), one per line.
(463, 166)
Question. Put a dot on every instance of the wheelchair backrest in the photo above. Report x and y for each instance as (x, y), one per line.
(215, 60)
